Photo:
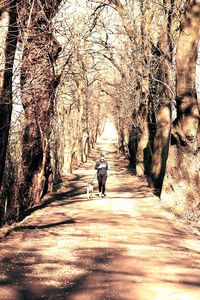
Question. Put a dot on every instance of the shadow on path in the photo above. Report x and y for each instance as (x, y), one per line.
(121, 247)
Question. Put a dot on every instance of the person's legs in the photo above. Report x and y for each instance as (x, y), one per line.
(104, 178)
(99, 178)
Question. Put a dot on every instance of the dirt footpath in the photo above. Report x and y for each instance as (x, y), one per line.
(122, 247)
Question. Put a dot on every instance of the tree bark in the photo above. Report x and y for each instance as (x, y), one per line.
(142, 140)
(145, 62)
(8, 37)
(188, 109)
(165, 90)
(38, 85)
(182, 179)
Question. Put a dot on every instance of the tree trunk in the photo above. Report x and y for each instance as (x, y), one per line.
(181, 184)
(142, 140)
(161, 148)
(80, 120)
(188, 109)
(8, 37)
(165, 91)
(38, 85)
(144, 66)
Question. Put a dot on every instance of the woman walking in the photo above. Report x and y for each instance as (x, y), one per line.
(102, 166)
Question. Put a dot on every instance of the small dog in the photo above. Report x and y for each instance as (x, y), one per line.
(90, 190)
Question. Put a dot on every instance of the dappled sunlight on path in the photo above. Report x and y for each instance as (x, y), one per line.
(119, 247)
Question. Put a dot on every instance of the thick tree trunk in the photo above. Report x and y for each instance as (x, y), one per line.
(38, 84)
(161, 148)
(181, 183)
(8, 37)
(188, 108)
(163, 130)
(145, 62)
(165, 90)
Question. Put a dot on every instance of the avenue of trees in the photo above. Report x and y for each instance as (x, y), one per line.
(65, 65)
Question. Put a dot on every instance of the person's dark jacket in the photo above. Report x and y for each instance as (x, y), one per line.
(101, 167)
